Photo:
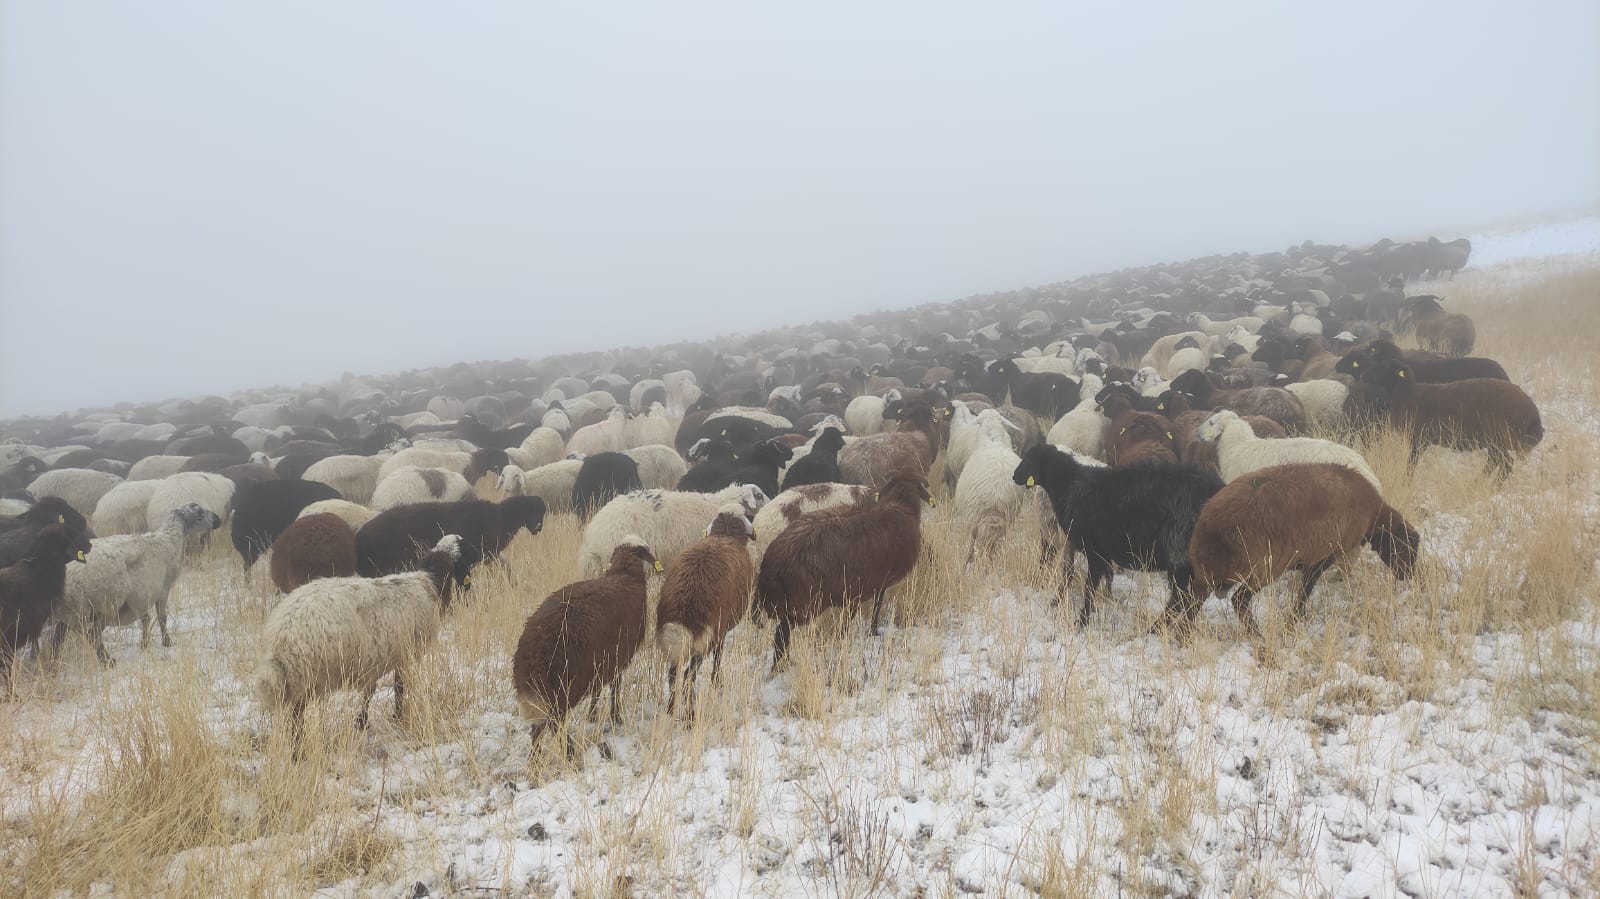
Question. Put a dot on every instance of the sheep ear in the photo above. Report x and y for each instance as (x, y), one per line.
(61, 519)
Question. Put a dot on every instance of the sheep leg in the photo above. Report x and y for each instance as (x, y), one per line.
(877, 609)
(1181, 604)
(1499, 463)
(366, 700)
(1308, 582)
(399, 691)
(616, 687)
(100, 646)
(1099, 572)
(780, 642)
(144, 631)
(689, 677)
(1241, 607)
(297, 726)
(56, 641)
(161, 621)
(672, 687)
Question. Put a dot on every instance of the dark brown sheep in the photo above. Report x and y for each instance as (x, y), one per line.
(1482, 413)
(582, 638)
(1133, 437)
(316, 546)
(840, 556)
(913, 445)
(31, 589)
(397, 539)
(1429, 368)
(1450, 333)
(1302, 516)
(706, 592)
(1273, 402)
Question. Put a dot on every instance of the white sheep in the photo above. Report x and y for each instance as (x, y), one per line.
(122, 509)
(128, 576)
(667, 520)
(1250, 341)
(864, 415)
(640, 388)
(760, 416)
(1082, 429)
(1323, 399)
(557, 420)
(1161, 351)
(1240, 451)
(789, 505)
(158, 431)
(987, 500)
(660, 466)
(541, 447)
(1187, 359)
(1220, 329)
(355, 477)
(353, 514)
(422, 419)
(82, 488)
(409, 484)
(257, 438)
(418, 456)
(653, 427)
(1149, 382)
(213, 492)
(553, 484)
(602, 437)
(510, 481)
(343, 632)
(683, 390)
(154, 468)
(963, 440)
(116, 431)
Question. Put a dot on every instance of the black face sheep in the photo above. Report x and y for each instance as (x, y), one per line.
(31, 589)
(335, 633)
(1044, 393)
(820, 465)
(263, 509)
(759, 466)
(840, 556)
(1302, 516)
(582, 638)
(311, 547)
(22, 473)
(602, 477)
(705, 593)
(17, 534)
(1137, 518)
(396, 540)
(1427, 369)
(1481, 413)
(1450, 333)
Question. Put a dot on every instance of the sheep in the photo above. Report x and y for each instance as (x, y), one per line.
(213, 492)
(758, 416)
(419, 456)
(608, 436)
(355, 477)
(864, 415)
(1273, 402)
(542, 446)
(1082, 429)
(986, 500)
(646, 390)
(1450, 333)
(1137, 518)
(1430, 370)
(122, 509)
(553, 483)
(1257, 528)
(705, 593)
(582, 638)
(839, 556)
(409, 484)
(601, 478)
(1046, 394)
(913, 445)
(660, 466)
(313, 546)
(262, 510)
(1148, 382)
(1481, 413)
(349, 631)
(653, 427)
(1323, 399)
(82, 488)
(396, 540)
(1204, 323)
(32, 587)
(668, 520)
(353, 514)
(788, 506)
(20, 475)
(1160, 353)
(759, 466)
(1240, 451)
(818, 466)
(127, 577)
(17, 533)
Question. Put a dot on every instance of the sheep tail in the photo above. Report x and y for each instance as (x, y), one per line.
(272, 683)
(1395, 541)
(675, 642)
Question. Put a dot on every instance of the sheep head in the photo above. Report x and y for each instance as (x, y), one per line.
(1210, 430)
(632, 551)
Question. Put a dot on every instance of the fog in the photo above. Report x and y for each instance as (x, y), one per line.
(200, 197)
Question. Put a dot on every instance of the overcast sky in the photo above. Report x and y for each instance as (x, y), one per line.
(199, 197)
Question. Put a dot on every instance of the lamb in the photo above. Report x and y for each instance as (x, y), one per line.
(352, 514)
(262, 510)
(660, 466)
(82, 488)
(348, 632)
(396, 539)
(553, 483)
(19, 532)
(705, 593)
(820, 465)
(986, 500)
(122, 509)
(582, 638)
(1240, 451)
(788, 506)
(1450, 333)
(1257, 528)
(31, 588)
(600, 479)
(914, 445)
(1136, 518)
(1430, 370)
(313, 546)
(839, 556)
(667, 520)
(1082, 429)
(408, 485)
(213, 492)
(127, 577)
(1481, 413)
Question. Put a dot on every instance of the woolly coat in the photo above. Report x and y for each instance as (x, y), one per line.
(666, 520)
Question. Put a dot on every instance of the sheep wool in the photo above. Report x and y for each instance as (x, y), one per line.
(212, 492)
(122, 509)
(666, 520)
(987, 501)
(82, 488)
(705, 593)
(1240, 451)
(407, 485)
(352, 514)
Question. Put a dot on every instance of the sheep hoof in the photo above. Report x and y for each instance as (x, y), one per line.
(605, 750)
(166, 641)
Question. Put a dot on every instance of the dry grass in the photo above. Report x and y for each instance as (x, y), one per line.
(1148, 768)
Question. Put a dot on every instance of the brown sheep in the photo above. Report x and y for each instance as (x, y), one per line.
(1450, 333)
(1273, 402)
(1132, 436)
(1481, 413)
(1304, 516)
(913, 445)
(706, 592)
(316, 546)
(582, 638)
(839, 556)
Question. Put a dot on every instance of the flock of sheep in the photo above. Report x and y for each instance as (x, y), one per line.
(1184, 419)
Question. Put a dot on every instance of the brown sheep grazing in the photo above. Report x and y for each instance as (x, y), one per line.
(1450, 333)
(1481, 413)
(582, 638)
(706, 592)
(1304, 516)
(913, 445)
(1134, 437)
(316, 546)
(839, 556)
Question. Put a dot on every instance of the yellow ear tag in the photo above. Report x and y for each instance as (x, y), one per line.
(932, 504)
(658, 564)
(1030, 480)
(1169, 435)
(1123, 431)
(466, 581)
(61, 519)
(1161, 407)
(81, 557)
(1400, 373)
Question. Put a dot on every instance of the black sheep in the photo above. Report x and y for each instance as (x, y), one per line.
(1358, 363)
(23, 473)
(601, 478)
(821, 465)
(759, 466)
(16, 534)
(208, 443)
(1045, 393)
(31, 588)
(400, 538)
(262, 509)
(1138, 518)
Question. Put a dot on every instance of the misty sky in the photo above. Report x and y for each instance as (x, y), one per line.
(199, 197)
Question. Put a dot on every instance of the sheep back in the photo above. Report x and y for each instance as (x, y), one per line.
(319, 545)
